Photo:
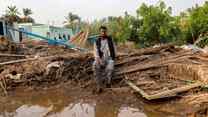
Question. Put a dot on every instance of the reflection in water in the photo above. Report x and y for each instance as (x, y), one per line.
(130, 112)
(27, 111)
(31, 111)
(77, 110)
(74, 110)
(59, 103)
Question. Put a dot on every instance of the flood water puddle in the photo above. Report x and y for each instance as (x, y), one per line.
(73, 110)
(62, 103)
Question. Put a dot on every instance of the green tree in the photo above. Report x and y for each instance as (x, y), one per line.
(27, 12)
(120, 28)
(155, 24)
(12, 11)
(72, 21)
(198, 21)
(158, 26)
(12, 14)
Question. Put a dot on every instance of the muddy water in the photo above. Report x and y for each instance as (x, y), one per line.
(77, 103)
(74, 110)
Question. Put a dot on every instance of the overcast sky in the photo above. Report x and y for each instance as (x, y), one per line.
(54, 10)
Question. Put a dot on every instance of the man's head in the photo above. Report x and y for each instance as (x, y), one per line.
(103, 31)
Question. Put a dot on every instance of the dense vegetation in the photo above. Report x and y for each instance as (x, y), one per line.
(13, 15)
(154, 24)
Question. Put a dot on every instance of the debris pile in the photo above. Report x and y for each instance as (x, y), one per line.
(6, 45)
(46, 71)
(155, 73)
(164, 71)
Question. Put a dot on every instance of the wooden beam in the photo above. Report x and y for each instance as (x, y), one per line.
(150, 50)
(3, 88)
(128, 60)
(142, 68)
(175, 91)
(164, 94)
(154, 64)
(25, 60)
(120, 89)
(17, 61)
(12, 55)
(137, 89)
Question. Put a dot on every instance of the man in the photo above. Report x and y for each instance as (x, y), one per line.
(104, 52)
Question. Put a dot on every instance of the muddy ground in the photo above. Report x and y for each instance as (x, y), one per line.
(154, 70)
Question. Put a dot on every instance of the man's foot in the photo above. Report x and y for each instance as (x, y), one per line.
(108, 81)
(108, 85)
(99, 90)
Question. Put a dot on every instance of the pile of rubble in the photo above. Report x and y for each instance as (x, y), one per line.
(155, 73)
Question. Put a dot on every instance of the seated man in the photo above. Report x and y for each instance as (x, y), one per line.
(104, 52)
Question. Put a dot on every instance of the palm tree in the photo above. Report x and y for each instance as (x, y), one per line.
(27, 12)
(12, 11)
(71, 18)
(12, 14)
(72, 21)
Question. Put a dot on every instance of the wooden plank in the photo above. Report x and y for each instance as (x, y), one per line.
(175, 91)
(164, 94)
(128, 60)
(18, 61)
(12, 55)
(154, 64)
(149, 51)
(120, 89)
(3, 88)
(141, 68)
(137, 89)
(25, 60)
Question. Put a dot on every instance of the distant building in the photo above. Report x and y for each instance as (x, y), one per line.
(52, 32)
(7, 30)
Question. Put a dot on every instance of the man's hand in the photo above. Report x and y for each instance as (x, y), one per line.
(98, 60)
